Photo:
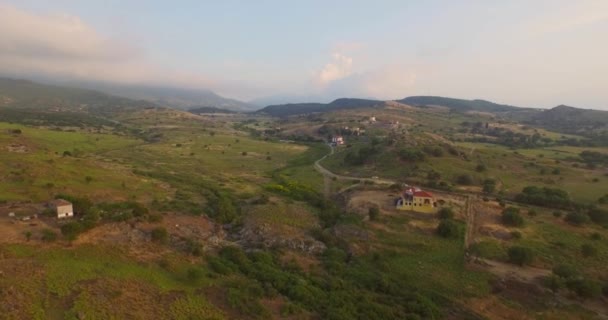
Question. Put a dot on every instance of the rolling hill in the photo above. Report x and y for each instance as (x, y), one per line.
(283, 110)
(458, 104)
(568, 119)
(177, 98)
(27, 95)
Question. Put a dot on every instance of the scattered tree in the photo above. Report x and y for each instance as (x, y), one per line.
(520, 255)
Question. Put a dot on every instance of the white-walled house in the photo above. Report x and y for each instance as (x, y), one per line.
(63, 208)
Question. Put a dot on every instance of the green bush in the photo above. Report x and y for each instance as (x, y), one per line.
(553, 282)
(520, 255)
(71, 230)
(516, 234)
(599, 216)
(584, 288)
(557, 214)
(445, 213)
(447, 228)
(511, 217)
(576, 218)
(373, 213)
(159, 235)
(465, 179)
(565, 271)
(49, 235)
(588, 250)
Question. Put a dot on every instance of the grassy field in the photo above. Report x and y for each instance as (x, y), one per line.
(95, 282)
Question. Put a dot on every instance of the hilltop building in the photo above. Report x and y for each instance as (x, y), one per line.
(415, 199)
(63, 208)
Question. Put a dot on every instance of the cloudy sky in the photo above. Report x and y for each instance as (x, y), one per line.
(522, 52)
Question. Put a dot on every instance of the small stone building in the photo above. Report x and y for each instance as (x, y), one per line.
(63, 208)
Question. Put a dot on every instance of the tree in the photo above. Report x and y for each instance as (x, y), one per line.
(445, 213)
(511, 217)
(565, 271)
(71, 230)
(49, 235)
(584, 288)
(28, 235)
(489, 186)
(588, 250)
(576, 218)
(465, 179)
(520, 255)
(159, 235)
(448, 229)
(373, 213)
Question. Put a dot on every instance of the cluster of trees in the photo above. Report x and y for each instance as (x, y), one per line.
(361, 156)
(544, 196)
(505, 136)
(568, 277)
(594, 158)
(347, 288)
(411, 155)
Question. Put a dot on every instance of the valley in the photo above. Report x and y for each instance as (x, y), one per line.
(230, 215)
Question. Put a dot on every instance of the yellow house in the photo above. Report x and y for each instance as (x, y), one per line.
(414, 199)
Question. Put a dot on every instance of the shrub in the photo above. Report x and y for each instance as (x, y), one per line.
(576, 218)
(520, 255)
(373, 213)
(557, 214)
(159, 235)
(565, 271)
(194, 274)
(481, 168)
(49, 235)
(516, 235)
(588, 250)
(489, 185)
(584, 288)
(465, 179)
(532, 212)
(447, 229)
(544, 196)
(554, 283)
(71, 230)
(512, 218)
(599, 216)
(596, 236)
(445, 213)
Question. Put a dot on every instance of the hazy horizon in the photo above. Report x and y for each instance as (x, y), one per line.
(529, 54)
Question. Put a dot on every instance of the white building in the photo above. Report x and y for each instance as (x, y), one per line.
(64, 208)
(337, 140)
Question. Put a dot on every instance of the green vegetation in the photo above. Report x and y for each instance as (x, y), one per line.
(512, 218)
(520, 255)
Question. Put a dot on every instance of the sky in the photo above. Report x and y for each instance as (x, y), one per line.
(531, 53)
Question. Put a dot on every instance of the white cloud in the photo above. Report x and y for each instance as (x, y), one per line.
(385, 82)
(63, 46)
(340, 66)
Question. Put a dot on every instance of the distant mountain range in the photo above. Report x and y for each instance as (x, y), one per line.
(24, 94)
(458, 104)
(176, 98)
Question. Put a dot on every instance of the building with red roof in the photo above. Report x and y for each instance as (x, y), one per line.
(415, 199)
